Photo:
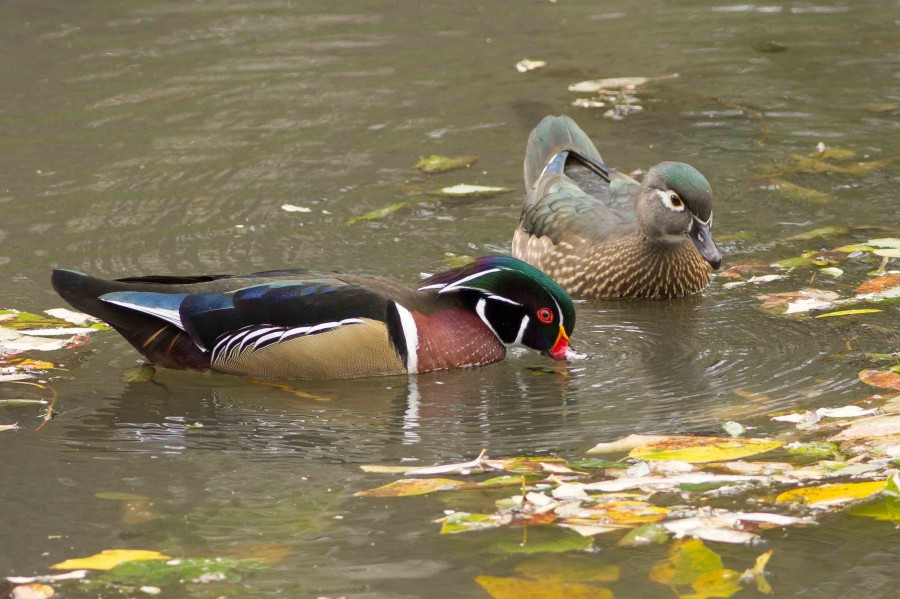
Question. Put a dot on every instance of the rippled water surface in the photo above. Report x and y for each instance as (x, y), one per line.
(164, 137)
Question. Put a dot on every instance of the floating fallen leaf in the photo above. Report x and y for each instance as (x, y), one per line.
(379, 213)
(798, 301)
(798, 262)
(702, 449)
(887, 253)
(76, 318)
(885, 242)
(9, 427)
(691, 564)
(458, 522)
(379, 469)
(648, 534)
(521, 588)
(462, 467)
(465, 190)
(797, 192)
(15, 342)
(523, 66)
(877, 284)
(653, 482)
(876, 426)
(832, 271)
(626, 443)
(830, 495)
(817, 233)
(293, 208)
(109, 559)
(849, 312)
(411, 486)
(568, 568)
(523, 464)
(73, 575)
(883, 379)
(440, 164)
(34, 590)
(824, 153)
(615, 83)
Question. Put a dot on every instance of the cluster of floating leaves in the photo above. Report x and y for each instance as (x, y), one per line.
(133, 571)
(668, 487)
(617, 93)
(22, 334)
(822, 161)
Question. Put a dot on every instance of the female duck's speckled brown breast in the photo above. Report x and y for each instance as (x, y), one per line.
(628, 267)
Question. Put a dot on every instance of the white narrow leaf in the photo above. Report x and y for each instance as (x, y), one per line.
(462, 467)
(464, 189)
(845, 412)
(568, 491)
(292, 208)
(695, 478)
(76, 318)
(523, 66)
(766, 278)
(56, 332)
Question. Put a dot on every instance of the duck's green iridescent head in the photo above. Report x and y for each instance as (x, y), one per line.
(521, 304)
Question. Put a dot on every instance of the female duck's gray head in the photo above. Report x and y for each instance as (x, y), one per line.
(674, 202)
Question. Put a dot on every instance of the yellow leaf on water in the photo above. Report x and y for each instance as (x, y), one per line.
(715, 583)
(686, 562)
(521, 588)
(108, 559)
(378, 213)
(412, 486)
(703, 449)
(849, 312)
(827, 495)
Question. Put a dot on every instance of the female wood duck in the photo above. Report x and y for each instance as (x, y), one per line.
(303, 324)
(600, 233)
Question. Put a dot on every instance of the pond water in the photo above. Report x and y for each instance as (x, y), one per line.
(164, 137)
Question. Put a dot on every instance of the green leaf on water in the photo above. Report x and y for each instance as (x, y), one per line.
(439, 164)
(797, 192)
(816, 449)
(377, 214)
(20, 403)
(648, 534)
(458, 522)
(14, 319)
(817, 233)
(797, 262)
(138, 374)
(544, 540)
(194, 570)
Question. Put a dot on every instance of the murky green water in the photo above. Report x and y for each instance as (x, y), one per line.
(155, 137)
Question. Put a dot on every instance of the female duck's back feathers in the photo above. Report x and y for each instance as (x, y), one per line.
(600, 233)
(309, 324)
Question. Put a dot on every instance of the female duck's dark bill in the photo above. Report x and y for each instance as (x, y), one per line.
(701, 236)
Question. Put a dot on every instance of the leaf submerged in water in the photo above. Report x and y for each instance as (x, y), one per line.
(440, 164)
(517, 588)
(378, 213)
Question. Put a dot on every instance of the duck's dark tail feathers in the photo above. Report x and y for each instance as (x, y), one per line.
(551, 136)
(161, 342)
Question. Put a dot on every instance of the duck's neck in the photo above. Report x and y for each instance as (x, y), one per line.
(453, 338)
(634, 267)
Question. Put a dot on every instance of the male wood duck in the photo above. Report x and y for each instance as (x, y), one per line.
(304, 324)
(601, 234)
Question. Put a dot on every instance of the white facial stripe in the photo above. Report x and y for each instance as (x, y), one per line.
(459, 284)
(479, 309)
(503, 299)
(521, 332)
(411, 335)
(668, 200)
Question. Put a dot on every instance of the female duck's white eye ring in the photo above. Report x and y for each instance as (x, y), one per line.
(672, 201)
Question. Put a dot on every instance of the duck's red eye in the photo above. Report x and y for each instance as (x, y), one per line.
(545, 315)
